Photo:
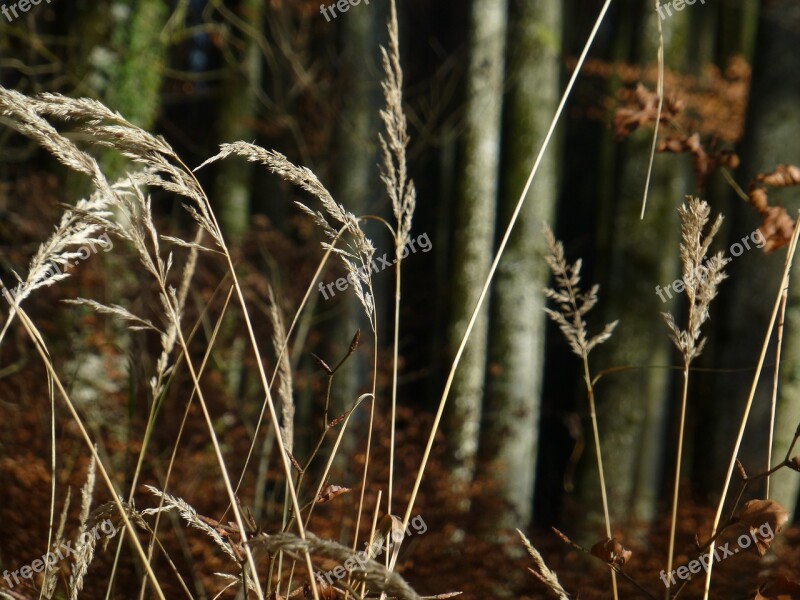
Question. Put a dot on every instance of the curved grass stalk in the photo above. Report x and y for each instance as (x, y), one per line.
(41, 348)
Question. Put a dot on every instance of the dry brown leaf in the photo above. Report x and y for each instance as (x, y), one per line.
(756, 513)
(329, 492)
(612, 552)
(782, 176)
(777, 228)
(641, 109)
(781, 588)
(703, 162)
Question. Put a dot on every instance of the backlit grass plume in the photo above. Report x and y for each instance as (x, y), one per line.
(573, 305)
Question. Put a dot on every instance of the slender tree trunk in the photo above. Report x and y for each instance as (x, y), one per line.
(355, 181)
(237, 112)
(509, 439)
(474, 226)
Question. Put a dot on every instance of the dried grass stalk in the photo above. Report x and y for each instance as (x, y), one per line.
(376, 576)
(544, 574)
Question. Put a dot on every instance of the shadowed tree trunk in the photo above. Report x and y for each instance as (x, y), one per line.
(356, 182)
(509, 439)
(237, 113)
(640, 255)
(474, 222)
(771, 134)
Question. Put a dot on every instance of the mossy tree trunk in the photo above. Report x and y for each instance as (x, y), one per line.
(509, 436)
(632, 405)
(474, 227)
(134, 84)
(237, 113)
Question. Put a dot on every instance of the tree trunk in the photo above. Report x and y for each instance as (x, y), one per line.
(640, 255)
(771, 135)
(474, 227)
(237, 112)
(509, 439)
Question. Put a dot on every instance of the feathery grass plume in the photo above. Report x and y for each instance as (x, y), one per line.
(400, 189)
(394, 170)
(135, 225)
(357, 256)
(160, 160)
(26, 120)
(284, 370)
(189, 515)
(573, 305)
(701, 281)
(376, 576)
(84, 548)
(50, 575)
(141, 147)
(545, 575)
(73, 231)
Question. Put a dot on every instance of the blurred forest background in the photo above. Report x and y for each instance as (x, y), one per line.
(482, 81)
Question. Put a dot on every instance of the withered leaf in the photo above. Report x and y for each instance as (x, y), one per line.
(329, 492)
(703, 162)
(612, 552)
(781, 588)
(777, 226)
(782, 176)
(758, 513)
(764, 518)
(641, 109)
